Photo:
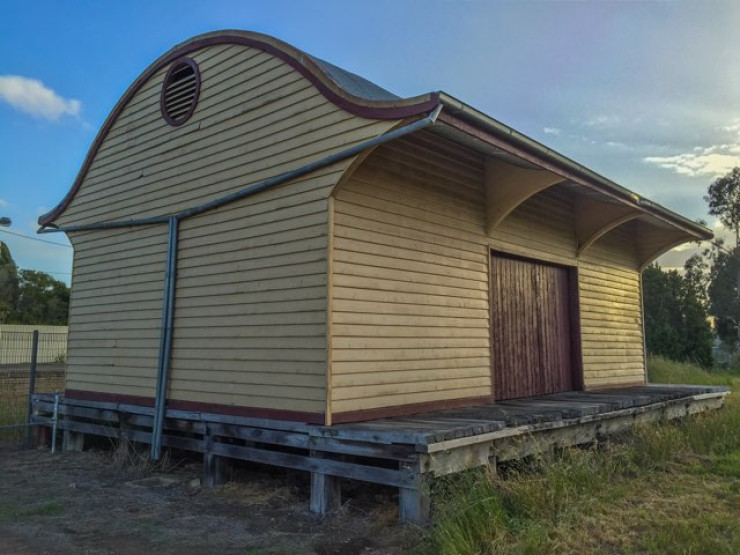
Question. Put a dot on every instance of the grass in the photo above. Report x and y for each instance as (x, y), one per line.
(11, 512)
(666, 488)
(14, 400)
(12, 412)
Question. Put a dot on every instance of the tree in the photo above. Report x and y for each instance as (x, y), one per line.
(676, 319)
(8, 283)
(723, 292)
(662, 319)
(41, 300)
(697, 332)
(696, 277)
(724, 201)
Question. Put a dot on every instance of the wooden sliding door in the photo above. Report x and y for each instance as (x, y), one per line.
(531, 328)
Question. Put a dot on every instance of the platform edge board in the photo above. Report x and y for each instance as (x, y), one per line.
(529, 428)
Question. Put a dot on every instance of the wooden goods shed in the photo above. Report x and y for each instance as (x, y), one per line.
(259, 233)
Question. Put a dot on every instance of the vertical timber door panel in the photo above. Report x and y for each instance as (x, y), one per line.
(530, 327)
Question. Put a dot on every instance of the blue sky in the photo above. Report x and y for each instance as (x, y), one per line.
(647, 94)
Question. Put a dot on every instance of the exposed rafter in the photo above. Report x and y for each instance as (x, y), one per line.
(508, 186)
(595, 218)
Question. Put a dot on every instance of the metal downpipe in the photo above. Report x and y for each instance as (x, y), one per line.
(165, 342)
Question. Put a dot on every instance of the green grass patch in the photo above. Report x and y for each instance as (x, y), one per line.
(727, 465)
(661, 370)
(705, 533)
(11, 512)
(672, 487)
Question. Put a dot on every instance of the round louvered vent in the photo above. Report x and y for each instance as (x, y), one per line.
(180, 91)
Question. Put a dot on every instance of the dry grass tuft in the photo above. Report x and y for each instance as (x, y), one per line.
(133, 459)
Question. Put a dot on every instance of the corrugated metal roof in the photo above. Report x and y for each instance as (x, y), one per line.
(354, 84)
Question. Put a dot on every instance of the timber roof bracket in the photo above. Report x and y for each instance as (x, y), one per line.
(508, 186)
(653, 241)
(595, 218)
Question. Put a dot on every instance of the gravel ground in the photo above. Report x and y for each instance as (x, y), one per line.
(103, 501)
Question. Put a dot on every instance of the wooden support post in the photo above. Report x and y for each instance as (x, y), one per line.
(326, 492)
(43, 435)
(414, 503)
(493, 465)
(73, 441)
(547, 453)
(216, 470)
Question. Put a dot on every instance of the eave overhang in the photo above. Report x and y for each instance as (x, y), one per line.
(462, 119)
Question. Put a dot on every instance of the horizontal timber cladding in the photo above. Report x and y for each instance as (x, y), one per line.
(611, 311)
(409, 314)
(256, 117)
(410, 318)
(116, 310)
(250, 310)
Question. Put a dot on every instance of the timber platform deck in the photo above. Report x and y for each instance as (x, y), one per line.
(403, 452)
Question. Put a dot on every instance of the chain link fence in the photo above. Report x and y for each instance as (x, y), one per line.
(31, 360)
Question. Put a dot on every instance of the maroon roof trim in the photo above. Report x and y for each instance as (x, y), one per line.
(298, 60)
(195, 406)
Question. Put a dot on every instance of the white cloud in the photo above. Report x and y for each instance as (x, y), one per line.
(3, 203)
(551, 131)
(619, 145)
(603, 121)
(734, 127)
(713, 164)
(713, 161)
(33, 97)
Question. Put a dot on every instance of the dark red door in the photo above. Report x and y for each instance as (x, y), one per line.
(530, 328)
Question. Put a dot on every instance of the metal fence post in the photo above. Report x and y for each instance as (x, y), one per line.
(32, 382)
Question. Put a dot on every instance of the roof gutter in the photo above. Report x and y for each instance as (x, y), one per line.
(540, 151)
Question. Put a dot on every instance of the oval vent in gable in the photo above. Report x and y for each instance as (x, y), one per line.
(180, 91)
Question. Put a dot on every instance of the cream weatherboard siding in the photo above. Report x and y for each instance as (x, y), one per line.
(410, 282)
(250, 315)
(116, 310)
(358, 290)
(611, 311)
(250, 312)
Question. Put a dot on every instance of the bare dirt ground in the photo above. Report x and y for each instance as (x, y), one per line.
(94, 503)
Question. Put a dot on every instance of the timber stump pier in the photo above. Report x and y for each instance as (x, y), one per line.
(404, 452)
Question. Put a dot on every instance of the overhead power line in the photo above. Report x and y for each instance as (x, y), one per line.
(35, 238)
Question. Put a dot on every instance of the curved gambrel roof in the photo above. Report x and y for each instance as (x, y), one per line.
(358, 96)
(346, 90)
